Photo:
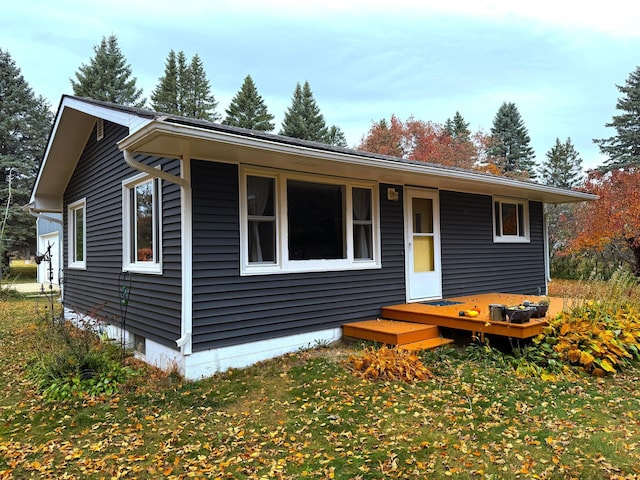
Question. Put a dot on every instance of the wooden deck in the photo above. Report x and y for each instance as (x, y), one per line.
(447, 315)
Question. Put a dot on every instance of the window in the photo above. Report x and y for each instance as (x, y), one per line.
(306, 223)
(141, 217)
(511, 220)
(77, 216)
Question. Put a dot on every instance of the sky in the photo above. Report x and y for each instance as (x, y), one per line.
(364, 60)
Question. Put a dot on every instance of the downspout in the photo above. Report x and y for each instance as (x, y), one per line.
(184, 342)
(547, 259)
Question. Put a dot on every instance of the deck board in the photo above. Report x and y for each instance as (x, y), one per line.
(447, 315)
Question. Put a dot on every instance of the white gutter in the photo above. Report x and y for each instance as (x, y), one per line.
(160, 127)
(42, 216)
(186, 322)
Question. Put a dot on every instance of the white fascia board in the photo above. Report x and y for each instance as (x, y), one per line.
(159, 128)
(129, 120)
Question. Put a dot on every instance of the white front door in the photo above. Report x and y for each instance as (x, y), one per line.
(424, 277)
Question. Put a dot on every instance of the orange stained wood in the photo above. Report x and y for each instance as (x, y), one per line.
(390, 332)
(447, 315)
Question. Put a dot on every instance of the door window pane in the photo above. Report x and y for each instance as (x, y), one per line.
(423, 254)
(422, 215)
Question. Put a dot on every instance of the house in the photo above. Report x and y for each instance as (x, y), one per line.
(212, 247)
(49, 235)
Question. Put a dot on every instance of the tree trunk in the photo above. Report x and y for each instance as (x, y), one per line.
(635, 250)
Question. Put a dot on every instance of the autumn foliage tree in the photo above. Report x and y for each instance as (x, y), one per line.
(612, 221)
(424, 141)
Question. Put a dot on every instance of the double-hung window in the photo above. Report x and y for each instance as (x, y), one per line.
(511, 220)
(77, 240)
(141, 200)
(306, 223)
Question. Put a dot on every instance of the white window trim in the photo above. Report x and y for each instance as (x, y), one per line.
(525, 221)
(154, 268)
(282, 263)
(71, 238)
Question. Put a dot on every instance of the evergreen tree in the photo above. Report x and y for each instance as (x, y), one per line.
(25, 121)
(303, 118)
(164, 97)
(563, 166)
(248, 110)
(623, 149)
(108, 77)
(457, 128)
(510, 150)
(335, 136)
(198, 100)
(184, 89)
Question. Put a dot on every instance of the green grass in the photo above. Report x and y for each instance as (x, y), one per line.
(306, 415)
(21, 272)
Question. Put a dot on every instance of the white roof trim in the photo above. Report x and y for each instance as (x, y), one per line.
(136, 143)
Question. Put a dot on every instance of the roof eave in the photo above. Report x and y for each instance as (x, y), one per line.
(162, 138)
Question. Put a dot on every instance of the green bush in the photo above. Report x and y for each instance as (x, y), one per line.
(72, 362)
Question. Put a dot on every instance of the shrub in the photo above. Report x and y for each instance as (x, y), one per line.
(388, 364)
(599, 332)
(72, 362)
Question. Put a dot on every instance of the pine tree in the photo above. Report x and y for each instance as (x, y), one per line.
(510, 150)
(184, 89)
(25, 121)
(563, 166)
(623, 149)
(248, 110)
(164, 97)
(303, 118)
(108, 77)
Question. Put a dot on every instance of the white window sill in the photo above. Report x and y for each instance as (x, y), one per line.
(152, 269)
(309, 266)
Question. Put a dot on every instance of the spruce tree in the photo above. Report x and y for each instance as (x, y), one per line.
(107, 76)
(510, 150)
(335, 136)
(164, 97)
(457, 128)
(623, 149)
(184, 89)
(199, 102)
(25, 121)
(563, 166)
(248, 110)
(303, 118)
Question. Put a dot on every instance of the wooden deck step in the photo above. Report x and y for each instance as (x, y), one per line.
(429, 344)
(391, 332)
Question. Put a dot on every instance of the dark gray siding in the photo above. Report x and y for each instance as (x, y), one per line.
(473, 263)
(229, 309)
(155, 300)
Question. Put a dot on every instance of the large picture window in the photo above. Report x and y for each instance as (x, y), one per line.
(141, 217)
(77, 240)
(306, 223)
(511, 220)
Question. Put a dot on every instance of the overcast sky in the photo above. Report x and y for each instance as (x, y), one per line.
(558, 61)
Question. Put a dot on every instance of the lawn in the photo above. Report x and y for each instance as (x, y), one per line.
(306, 415)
